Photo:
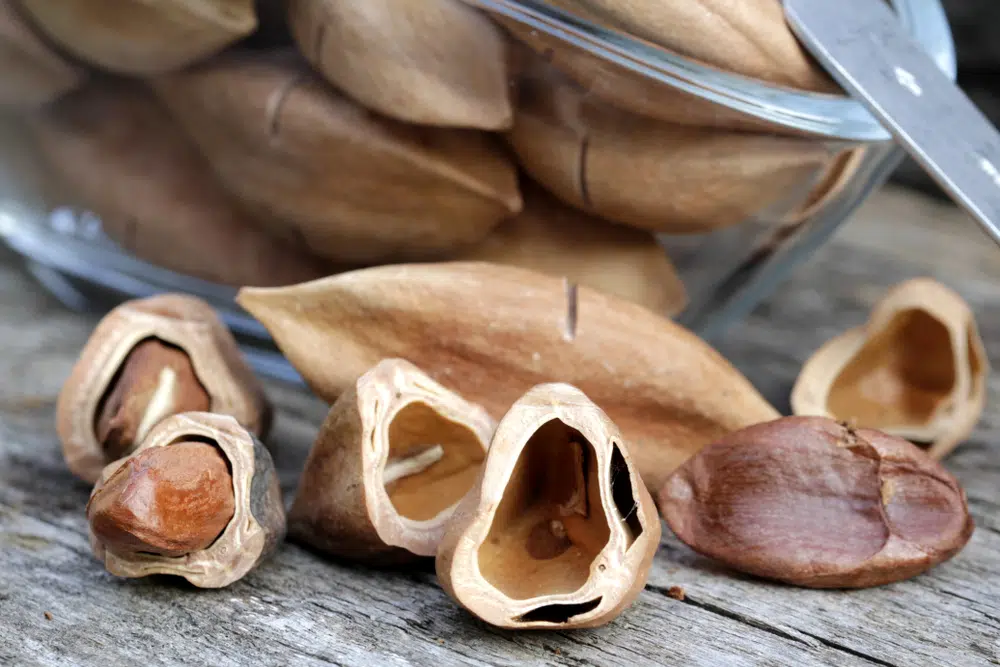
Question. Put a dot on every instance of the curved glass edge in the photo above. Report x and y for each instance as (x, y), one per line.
(823, 115)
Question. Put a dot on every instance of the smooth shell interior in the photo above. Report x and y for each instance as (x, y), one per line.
(550, 525)
(900, 376)
(434, 461)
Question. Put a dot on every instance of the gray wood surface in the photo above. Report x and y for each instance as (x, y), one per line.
(59, 607)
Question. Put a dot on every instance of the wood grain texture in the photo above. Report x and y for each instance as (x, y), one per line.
(301, 609)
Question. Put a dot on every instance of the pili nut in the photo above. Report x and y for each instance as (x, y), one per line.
(813, 502)
(916, 369)
(393, 458)
(120, 501)
(552, 238)
(31, 73)
(615, 164)
(146, 360)
(118, 151)
(142, 37)
(430, 62)
(500, 330)
(750, 37)
(357, 187)
(168, 501)
(559, 531)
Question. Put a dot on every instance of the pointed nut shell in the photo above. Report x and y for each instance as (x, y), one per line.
(393, 458)
(258, 522)
(559, 531)
(917, 369)
(181, 322)
(815, 503)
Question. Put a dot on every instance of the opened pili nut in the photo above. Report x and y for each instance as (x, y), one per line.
(916, 369)
(146, 360)
(817, 503)
(559, 531)
(499, 330)
(393, 458)
(198, 499)
(447, 64)
(142, 36)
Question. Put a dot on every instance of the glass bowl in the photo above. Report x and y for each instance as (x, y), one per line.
(733, 219)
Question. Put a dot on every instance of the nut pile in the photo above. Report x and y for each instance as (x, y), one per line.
(468, 425)
(273, 142)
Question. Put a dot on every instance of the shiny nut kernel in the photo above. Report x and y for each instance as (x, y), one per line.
(816, 503)
(155, 381)
(168, 501)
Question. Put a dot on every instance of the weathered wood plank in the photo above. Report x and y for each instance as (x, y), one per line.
(302, 609)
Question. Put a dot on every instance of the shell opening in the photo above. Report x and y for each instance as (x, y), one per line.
(899, 377)
(432, 462)
(559, 613)
(550, 525)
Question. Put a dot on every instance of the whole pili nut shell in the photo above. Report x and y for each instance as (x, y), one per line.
(169, 501)
(142, 37)
(555, 239)
(258, 522)
(31, 73)
(646, 173)
(180, 322)
(357, 187)
(431, 62)
(916, 369)
(499, 330)
(394, 457)
(750, 37)
(119, 152)
(816, 503)
(559, 531)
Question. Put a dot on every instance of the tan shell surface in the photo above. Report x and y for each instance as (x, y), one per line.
(555, 239)
(430, 62)
(917, 369)
(350, 184)
(492, 332)
(118, 151)
(646, 173)
(142, 37)
(618, 572)
(182, 321)
(245, 541)
(31, 73)
(342, 506)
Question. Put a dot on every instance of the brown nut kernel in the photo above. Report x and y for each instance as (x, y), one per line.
(393, 458)
(559, 532)
(167, 500)
(198, 499)
(813, 502)
(148, 359)
(155, 381)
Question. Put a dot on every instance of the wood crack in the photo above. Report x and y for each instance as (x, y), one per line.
(844, 649)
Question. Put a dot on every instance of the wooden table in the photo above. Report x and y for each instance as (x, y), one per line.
(59, 607)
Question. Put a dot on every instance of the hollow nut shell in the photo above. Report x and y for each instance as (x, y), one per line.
(650, 174)
(393, 458)
(119, 152)
(500, 330)
(430, 62)
(559, 531)
(142, 37)
(258, 522)
(168, 501)
(355, 186)
(916, 369)
(31, 73)
(813, 502)
(552, 238)
(181, 322)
